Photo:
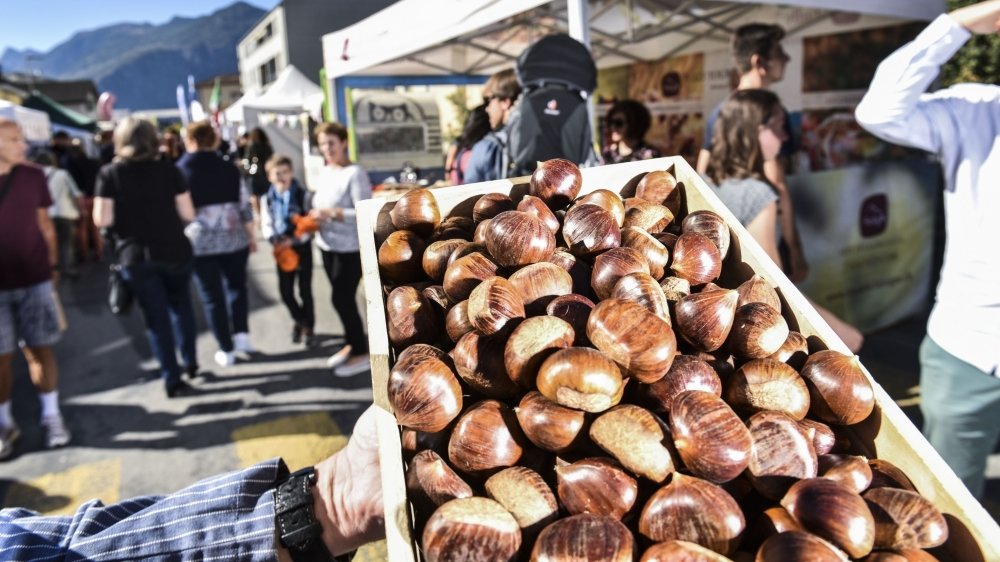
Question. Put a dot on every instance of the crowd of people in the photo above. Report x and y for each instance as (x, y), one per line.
(959, 363)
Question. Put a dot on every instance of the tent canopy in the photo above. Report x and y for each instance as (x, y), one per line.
(441, 37)
(59, 113)
(291, 90)
(34, 123)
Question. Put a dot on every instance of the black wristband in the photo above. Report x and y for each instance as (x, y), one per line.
(298, 527)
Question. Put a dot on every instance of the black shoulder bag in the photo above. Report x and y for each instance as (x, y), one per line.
(120, 297)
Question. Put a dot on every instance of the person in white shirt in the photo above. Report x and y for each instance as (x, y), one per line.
(340, 186)
(960, 388)
(65, 211)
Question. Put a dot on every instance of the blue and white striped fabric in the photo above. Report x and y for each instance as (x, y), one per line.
(228, 517)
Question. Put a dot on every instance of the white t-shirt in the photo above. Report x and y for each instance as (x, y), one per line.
(340, 187)
(64, 193)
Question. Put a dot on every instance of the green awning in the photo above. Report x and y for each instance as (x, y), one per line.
(59, 113)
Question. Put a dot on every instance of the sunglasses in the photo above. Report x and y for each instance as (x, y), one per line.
(616, 123)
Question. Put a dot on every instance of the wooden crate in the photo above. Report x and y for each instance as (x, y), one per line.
(886, 434)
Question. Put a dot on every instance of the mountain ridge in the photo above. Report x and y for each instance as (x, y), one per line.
(142, 63)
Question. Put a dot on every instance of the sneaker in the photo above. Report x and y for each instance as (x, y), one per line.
(56, 434)
(296, 334)
(354, 366)
(225, 358)
(337, 359)
(241, 343)
(192, 371)
(180, 388)
(8, 436)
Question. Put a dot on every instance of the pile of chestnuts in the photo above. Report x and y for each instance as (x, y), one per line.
(572, 384)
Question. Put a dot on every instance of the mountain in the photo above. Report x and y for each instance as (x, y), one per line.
(141, 63)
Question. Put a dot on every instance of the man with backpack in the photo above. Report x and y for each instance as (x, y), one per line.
(490, 157)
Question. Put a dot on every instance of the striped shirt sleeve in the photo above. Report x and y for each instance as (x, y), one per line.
(228, 517)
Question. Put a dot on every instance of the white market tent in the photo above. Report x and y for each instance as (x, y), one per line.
(34, 123)
(290, 91)
(443, 37)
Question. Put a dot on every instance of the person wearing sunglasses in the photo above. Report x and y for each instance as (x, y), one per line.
(628, 122)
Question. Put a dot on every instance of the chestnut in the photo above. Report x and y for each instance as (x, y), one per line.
(490, 205)
(607, 200)
(430, 482)
(795, 546)
(693, 510)
(839, 390)
(584, 537)
(465, 273)
(642, 289)
(850, 470)
(515, 238)
(539, 283)
(766, 384)
(640, 342)
(417, 211)
(637, 439)
(757, 289)
(710, 225)
(651, 217)
(781, 454)
(581, 378)
(479, 361)
(905, 519)
(411, 318)
(574, 309)
(675, 288)
(531, 343)
(696, 258)
(660, 186)
(556, 182)
(424, 392)
(486, 439)
(400, 257)
(523, 493)
(710, 438)
(794, 351)
(536, 207)
(655, 253)
(548, 425)
(479, 235)
(493, 304)
(834, 512)
(680, 551)
(456, 321)
(596, 485)
(686, 373)
(589, 230)
(436, 296)
(612, 265)
(436, 256)
(704, 319)
(471, 530)
(823, 438)
(903, 555)
(887, 475)
(758, 331)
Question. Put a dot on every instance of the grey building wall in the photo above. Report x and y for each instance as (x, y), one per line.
(307, 21)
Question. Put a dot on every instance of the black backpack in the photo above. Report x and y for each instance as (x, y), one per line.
(550, 119)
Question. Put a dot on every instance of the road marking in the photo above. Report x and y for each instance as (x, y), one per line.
(60, 493)
(301, 440)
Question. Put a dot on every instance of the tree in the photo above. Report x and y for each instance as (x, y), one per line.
(977, 61)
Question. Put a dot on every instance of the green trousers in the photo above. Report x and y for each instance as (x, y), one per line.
(961, 408)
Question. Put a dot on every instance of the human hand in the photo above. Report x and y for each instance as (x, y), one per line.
(349, 502)
(253, 246)
(981, 18)
(798, 266)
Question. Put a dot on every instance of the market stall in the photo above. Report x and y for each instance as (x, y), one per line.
(34, 123)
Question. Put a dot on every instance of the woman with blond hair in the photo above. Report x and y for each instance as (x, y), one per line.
(144, 202)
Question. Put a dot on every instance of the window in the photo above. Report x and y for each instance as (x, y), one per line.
(268, 31)
(268, 72)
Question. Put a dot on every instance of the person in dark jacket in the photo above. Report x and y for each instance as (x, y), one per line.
(146, 201)
(222, 237)
(283, 204)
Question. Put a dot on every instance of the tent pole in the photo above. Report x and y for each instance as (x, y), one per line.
(577, 12)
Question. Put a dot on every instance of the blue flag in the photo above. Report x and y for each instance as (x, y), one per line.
(182, 105)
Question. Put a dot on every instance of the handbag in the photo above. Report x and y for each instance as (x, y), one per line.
(119, 295)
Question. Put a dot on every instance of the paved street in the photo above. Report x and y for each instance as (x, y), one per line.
(129, 439)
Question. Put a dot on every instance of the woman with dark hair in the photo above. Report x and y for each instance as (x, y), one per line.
(339, 187)
(222, 237)
(477, 124)
(258, 152)
(145, 201)
(628, 123)
(749, 131)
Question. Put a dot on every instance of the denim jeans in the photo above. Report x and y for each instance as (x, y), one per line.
(222, 285)
(163, 292)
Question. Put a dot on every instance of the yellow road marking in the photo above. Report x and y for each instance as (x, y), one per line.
(301, 440)
(60, 493)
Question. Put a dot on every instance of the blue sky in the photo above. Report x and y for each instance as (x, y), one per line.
(43, 24)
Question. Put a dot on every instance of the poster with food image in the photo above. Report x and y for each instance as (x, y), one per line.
(673, 79)
(831, 138)
(847, 61)
(612, 85)
(677, 131)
